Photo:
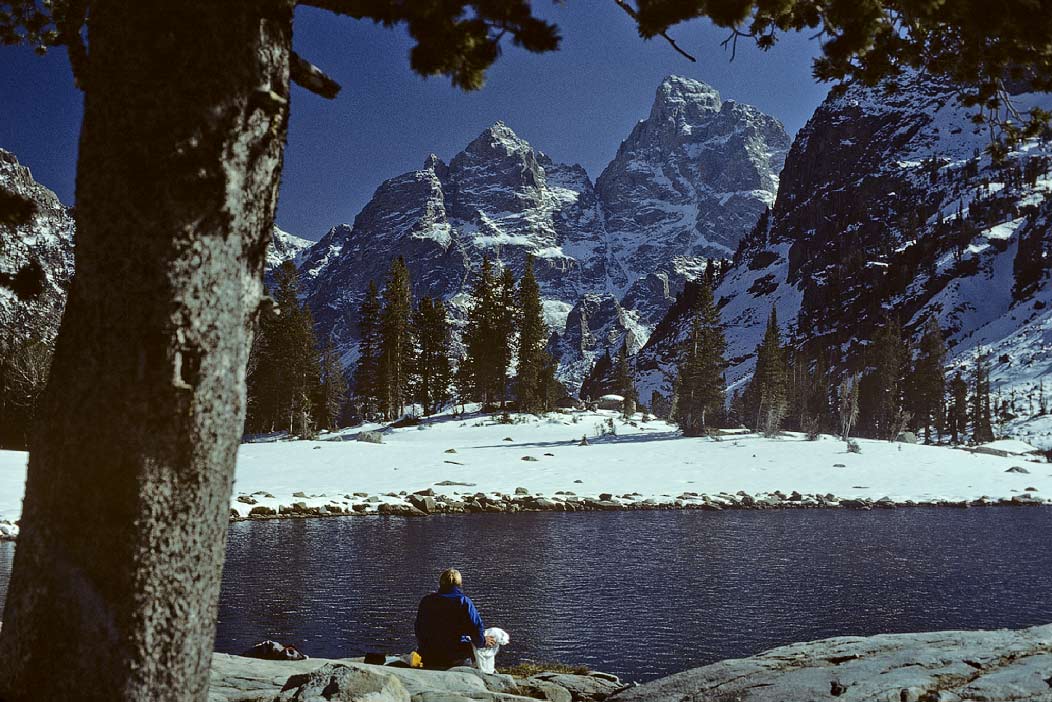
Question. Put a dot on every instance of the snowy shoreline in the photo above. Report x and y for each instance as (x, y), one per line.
(473, 463)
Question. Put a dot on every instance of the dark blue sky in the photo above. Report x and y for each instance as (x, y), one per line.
(576, 104)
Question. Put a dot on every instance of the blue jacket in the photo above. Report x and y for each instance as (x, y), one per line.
(445, 621)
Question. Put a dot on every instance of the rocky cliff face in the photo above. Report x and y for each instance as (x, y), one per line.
(687, 184)
(889, 207)
(36, 255)
(694, 176)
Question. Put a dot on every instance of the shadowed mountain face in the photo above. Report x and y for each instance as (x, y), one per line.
(686, 185)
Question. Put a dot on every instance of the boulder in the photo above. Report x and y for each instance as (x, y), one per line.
(1017, 469)
(543, 690)
(522, 490)
(371, 437)
(346, 683)
(247, 499)
(906, 437)
(262, 511)
(424, 503)
(584, 688)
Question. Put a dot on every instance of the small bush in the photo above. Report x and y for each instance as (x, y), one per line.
(528, 669)
(853, 447)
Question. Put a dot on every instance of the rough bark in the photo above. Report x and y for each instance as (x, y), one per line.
(117, 572)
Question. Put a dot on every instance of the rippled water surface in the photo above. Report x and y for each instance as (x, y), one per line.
(639, 594)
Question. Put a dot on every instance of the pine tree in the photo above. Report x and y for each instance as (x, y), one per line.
(532, 382)
(285, 375)
(982, 424)
(884, 388)
(396, 341)
(507, 314)
(367, 371)
(958, 414)
(332, 390)
(699, 385)
(623, 383)
(766, 394)
(928, 386)
(594, 385)
(431, 369)
(848, 406)
(482, 374)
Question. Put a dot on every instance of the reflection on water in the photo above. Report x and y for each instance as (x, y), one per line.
(639, 594)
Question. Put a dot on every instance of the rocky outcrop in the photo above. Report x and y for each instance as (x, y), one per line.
(36, 255)
(949, 666)
(237, 679)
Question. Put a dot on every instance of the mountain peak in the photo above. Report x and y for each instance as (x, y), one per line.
(497, 137)
(679, 95)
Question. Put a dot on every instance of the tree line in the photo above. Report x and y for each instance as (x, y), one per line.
(407, 356)
(902, 386)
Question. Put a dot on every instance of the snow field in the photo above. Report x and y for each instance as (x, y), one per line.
(650, 458)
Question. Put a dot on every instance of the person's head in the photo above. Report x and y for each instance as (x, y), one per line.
(450, 579)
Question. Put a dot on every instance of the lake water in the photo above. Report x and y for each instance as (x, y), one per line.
(639, 594)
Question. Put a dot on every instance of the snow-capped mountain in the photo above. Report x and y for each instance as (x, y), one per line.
(498, 198)
(694, 177)
(890, 207)
(285, 247)
(687, 184)
(36, 255)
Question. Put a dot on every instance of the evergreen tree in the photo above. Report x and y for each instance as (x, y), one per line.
(532, 386)
(699, 384)
(367, 371)
(284, 376)
(982, 424)
(766, 393)
(848, 406)
(431, 369)
(928, 387)
(507, 314)
(332, 388)
(482, 373)
(885, 387)
(623, 384)
(595, 384)
(957, 413)
(396, 344)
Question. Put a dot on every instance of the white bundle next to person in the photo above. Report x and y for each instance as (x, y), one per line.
(485, 658)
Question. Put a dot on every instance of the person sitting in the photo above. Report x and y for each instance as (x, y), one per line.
(447, 624)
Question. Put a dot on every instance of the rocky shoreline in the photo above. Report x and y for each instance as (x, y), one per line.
(427, 502)
(947, 666)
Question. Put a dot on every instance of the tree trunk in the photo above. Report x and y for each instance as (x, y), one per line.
(117, 571)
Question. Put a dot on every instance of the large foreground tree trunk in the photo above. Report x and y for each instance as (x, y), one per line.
(117, 571)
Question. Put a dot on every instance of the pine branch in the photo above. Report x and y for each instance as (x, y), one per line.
(631, 12)
(309, 76)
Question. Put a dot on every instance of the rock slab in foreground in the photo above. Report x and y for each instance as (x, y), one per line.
(948, 666)
(239, 679)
